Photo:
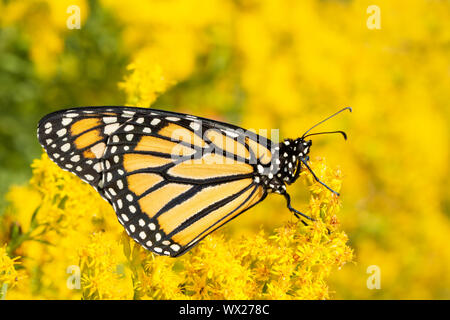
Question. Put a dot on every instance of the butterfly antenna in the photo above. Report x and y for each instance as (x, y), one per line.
(333, 115)
(327, 132)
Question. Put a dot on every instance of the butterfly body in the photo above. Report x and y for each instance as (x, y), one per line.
(171, 178)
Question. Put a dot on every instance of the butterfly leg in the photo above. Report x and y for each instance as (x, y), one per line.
(317, 179)
(295, 211)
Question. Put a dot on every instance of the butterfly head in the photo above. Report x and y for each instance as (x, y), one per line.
(295, 153)
(292, 154)
(301, 147)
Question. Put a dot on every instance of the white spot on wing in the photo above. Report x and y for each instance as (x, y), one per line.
(155, 121)
(128, 113)
(98, 167)
(260, 168)
(98, 150)
(61, 132)
(110, 128)
(194, 125)
(66, 121)
(231, 134)
(109, 119)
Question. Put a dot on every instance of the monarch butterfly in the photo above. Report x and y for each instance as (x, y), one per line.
(172, 178)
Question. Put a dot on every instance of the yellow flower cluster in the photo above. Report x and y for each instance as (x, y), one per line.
(8, 273)
(72, 228)
(168, 38)
(45, 24)
(100, 262)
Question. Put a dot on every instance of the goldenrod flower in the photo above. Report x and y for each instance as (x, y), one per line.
(8, 273)
(74, 226)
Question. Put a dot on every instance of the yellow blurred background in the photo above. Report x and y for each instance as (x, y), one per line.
(263, 65)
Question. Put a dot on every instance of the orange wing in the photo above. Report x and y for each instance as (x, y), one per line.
(171, 178)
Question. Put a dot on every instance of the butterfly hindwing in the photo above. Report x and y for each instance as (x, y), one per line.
(217, 215)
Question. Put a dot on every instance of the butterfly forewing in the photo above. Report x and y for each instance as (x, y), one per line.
(76, 139)
(171, 178)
